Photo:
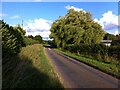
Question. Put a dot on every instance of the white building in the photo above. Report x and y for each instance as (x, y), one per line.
(106, 42)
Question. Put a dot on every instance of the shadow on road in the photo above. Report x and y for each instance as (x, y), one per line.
(49, 46)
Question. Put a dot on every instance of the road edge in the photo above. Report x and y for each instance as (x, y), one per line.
(55, 69)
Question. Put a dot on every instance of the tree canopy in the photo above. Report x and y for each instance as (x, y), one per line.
(38, 38)
(76, 28)
(12, 39)
(109, 37)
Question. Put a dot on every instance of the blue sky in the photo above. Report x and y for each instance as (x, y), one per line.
(34, 13)
(59, 0)
(52, 10)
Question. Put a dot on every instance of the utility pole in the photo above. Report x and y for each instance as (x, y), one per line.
(22, 24)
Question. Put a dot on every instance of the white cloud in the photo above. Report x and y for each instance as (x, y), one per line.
(15, 17)
(38, 27)
(68, 7)
(2, 15)
(109, 22)
(116, 32)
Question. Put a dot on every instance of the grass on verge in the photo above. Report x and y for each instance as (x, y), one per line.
(112, 69)
(29, 69)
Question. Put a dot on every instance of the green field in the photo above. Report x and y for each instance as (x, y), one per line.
(109, 68)
(29, 69)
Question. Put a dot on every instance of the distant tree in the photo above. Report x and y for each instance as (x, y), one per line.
(116, 41)
(109, 37)
(118, 37)
(38, 38)
(30, 36)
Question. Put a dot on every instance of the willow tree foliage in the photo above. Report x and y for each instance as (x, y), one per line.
(76, 28)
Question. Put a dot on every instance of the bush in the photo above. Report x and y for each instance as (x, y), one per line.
(114, 51)
(86, 48)
(38, 38)
(71, 48)
(97, 51)
(30, 41)
(12, 40)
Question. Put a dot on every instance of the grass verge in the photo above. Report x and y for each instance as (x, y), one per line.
(112, 69)
(29, 69)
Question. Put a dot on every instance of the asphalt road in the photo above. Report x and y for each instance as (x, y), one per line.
(75, 74)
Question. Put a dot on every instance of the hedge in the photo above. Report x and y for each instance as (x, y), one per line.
(99, 51)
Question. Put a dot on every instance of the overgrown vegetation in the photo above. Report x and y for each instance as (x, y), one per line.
(12, 39)
(29, 40)
(29, 69)
(97, 51)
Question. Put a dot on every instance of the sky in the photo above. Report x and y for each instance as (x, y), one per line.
(59, 0)
(38, 16)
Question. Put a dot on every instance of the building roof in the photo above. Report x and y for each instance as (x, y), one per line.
(106, 41)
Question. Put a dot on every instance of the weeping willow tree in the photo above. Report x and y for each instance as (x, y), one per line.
(76, 28)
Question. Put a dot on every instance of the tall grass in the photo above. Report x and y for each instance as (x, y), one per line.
(29, 69)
